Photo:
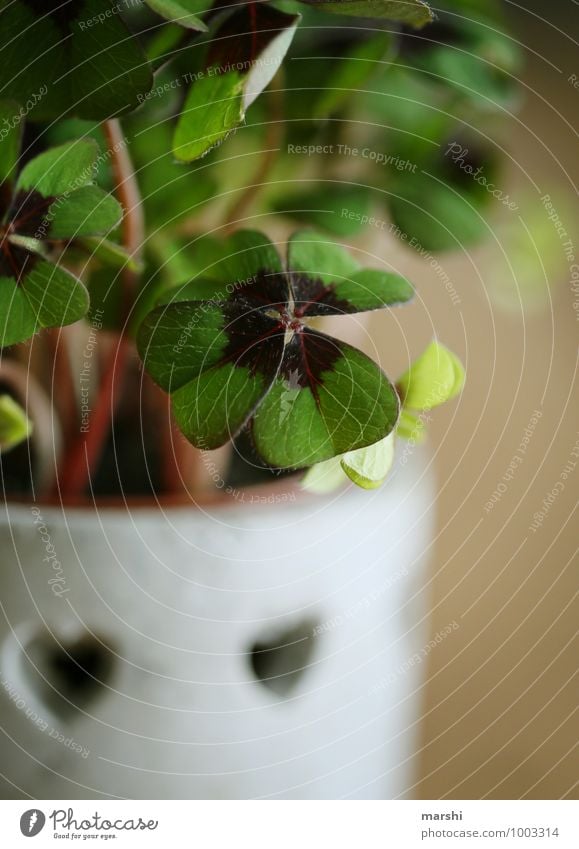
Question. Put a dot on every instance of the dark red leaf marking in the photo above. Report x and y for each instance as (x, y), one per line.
(5, 198)
(15, 261)
(307, 356)
(267, 289)
(245, 35)
(254, 339)
(27, 214)
(313, 297)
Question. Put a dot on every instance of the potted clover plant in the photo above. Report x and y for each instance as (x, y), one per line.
(181, 436)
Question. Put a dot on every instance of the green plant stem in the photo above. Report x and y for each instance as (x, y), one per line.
(86, 452)
(273, 140)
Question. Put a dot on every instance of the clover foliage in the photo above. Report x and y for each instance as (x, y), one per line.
(52, 200)
(147, 148)
(243, 351)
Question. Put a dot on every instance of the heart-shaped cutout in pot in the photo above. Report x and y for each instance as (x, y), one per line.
(67, 673)
(280, 660)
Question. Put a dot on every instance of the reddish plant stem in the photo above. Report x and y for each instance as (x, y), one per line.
(63, 391)
(129, 196)
(87, 450)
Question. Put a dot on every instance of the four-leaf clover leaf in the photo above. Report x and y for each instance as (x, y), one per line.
(234, 346)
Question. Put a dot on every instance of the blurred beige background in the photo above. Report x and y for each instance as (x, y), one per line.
(499, 706)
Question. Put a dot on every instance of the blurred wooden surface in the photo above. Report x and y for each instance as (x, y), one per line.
(499, 708)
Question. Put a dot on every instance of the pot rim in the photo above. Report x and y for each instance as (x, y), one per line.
(222, 497)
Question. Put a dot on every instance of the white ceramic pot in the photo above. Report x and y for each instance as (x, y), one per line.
(192, 699)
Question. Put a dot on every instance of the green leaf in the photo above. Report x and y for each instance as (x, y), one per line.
(415, 106)
(411, 427)
(220, 268)
(48, 296)
(214, 107)
(213, 408)
(436, 217)
(183, 12)
(318, 257)
(486, 85)
(434, 378)
(333, 282)
(352, 72)
(15, 426)
(368, 467)
(247, 50)
(108, 253)
(323, 478)
(10, 133)
(61, 169)
(161, 48)
(416, 13)
(18, 320)
(217, 360)
(244, 255)
(78, 51)
(373, 289)
(56, 296)
(327, 399)
(85, 212)
(475, 58)
(343, 211)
